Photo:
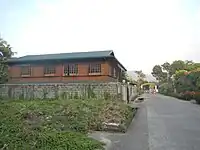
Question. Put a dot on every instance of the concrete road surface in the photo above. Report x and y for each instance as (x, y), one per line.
(162, 123)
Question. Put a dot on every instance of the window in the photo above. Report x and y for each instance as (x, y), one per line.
(94, 68)
(110, 71)
(71, 69)
(49, 70)
(114, 72)
(26, 70)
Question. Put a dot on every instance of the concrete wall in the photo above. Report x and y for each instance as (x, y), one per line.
(128, 95)
(114, 90)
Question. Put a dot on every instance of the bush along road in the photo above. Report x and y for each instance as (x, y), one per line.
(59, 124)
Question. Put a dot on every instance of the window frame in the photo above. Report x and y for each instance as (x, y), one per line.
(95, 69)
(49, 70)
(110, 71)
(70, 69)
(114, 72)
(29, 70)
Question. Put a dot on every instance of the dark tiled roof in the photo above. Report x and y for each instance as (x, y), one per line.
(65, 56)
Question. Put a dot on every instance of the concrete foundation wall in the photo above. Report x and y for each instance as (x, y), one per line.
(114, 90)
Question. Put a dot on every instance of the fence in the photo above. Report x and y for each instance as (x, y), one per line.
(67, 90)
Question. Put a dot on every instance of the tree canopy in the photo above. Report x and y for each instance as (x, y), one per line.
(164, 72)
(159, 74)
(140, 74)
(141, 77)
(6, 53)
(179, 77)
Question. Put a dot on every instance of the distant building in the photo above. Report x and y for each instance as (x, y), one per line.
(66, 67)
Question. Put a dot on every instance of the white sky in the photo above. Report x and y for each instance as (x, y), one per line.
(142, 33)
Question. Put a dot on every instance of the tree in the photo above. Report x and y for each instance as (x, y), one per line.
(181, 81)
(141, 77)
(124, 76)
(177, 65)
(140, 74)
(130, 79)
(6, 53)
(127, 77)
(192, 66)
(166, 66)
(185, 81)
(158, 73)
(166, 88)
(189, 62)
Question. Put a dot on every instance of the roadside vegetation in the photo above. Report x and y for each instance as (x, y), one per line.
(57, 124)
(179, 79)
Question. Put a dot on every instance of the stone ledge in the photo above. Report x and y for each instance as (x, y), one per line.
(139, 100)
(116, 127)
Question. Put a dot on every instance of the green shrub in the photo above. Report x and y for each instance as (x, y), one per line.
(47, 140)
(197, 98)
(90, 91)
(177, 95)
(184, 96)
(107, 96)
(55, 124)
(166, 88)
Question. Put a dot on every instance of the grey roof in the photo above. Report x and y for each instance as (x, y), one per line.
(65, 56)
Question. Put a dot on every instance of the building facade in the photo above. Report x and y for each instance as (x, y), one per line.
(66, 67)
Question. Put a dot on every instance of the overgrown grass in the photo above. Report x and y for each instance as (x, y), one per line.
(56, 124)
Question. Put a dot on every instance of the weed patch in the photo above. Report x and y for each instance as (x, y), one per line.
(56, 124)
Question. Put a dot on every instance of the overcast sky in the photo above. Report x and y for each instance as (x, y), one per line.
(142, 33)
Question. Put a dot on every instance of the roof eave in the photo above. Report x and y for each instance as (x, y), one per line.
(120, 64)
(22, 61)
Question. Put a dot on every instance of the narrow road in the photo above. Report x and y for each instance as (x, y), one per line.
(162, 123)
